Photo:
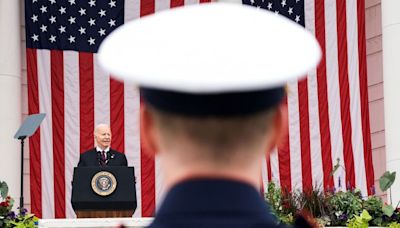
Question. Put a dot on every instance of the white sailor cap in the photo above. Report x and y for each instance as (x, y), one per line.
(215, 59)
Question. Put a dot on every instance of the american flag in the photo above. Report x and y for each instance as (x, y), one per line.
(328, 112)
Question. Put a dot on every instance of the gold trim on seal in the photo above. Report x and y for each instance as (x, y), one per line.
(104, 183)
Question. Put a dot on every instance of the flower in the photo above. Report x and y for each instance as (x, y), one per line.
(23, 211)
(11, 215)
(343, 217)
(9, 218)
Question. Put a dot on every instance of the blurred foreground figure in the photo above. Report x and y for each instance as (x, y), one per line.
(212, 79)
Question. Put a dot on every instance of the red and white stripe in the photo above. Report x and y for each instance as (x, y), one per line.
(328, 110)
(76, 94)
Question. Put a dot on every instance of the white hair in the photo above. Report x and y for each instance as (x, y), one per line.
(100, 126)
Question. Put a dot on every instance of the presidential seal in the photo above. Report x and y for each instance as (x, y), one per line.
(104, 183)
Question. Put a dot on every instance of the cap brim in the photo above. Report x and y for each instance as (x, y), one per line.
(210, 48)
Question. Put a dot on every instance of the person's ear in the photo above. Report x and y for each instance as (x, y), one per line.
(280, 127)
(147, 131)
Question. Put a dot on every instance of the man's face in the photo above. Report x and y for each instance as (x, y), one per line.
(102, 136)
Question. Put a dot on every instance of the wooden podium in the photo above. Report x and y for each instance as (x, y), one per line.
(103, 213)
(104, 192)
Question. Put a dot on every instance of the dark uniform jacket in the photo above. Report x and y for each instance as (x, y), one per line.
(215, 203)
(92, 158)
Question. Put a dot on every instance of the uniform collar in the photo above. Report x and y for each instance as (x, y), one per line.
(212, 196)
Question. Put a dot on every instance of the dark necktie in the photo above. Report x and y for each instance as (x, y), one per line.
(104, 157)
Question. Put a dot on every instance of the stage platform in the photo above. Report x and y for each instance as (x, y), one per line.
(95, 222)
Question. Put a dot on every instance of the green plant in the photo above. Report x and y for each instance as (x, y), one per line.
(373, 205)
(334, 208)
(282, 203)
(8, 218)
(360, 221)
(23, 220)
(385, 182)
(3, 189)
(394, 225)
(336, 167)
(314, 201)
(6, 204)
(345, 206)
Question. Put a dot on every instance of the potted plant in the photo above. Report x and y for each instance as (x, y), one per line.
(9, 218)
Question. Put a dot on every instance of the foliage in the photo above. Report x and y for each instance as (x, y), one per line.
(6, 203)
(388, 210)
(286, 205)
(5, 209)
(345, 205)
(386, 180)
(314, 201)
(3, 189)
(8, 218)
(360, 221)
(374, 207)
(336, 167)
(394, 225)
(332, 208)
(23, 220)
(336, 208)
(281, 204)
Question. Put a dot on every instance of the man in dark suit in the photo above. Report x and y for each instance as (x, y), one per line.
(212, 78)
(102, 154)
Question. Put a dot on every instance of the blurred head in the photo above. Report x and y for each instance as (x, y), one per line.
(214, 140)
(102, 136)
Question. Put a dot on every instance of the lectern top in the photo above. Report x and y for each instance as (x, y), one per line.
(29, 126)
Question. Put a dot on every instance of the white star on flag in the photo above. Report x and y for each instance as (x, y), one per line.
(112, 4)
(92, 21)
(102, 13)
(62, 10)
(111, 22)
(52, 19)
(91, 41)
(34, 18)
(62, 29)
(71, 39)
(35, 37)
(72, 20)
(92, 3)
(102, 32)
(43, 9)
(82, 30)
(52, 39)
(82, 11)
(43, 28)
(297, 18)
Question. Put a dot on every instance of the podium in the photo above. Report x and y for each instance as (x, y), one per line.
(100, 192)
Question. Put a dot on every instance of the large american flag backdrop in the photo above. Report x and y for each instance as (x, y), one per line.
(328, 111)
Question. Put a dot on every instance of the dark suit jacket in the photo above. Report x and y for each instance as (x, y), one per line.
(90, 158)
(214, 203)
